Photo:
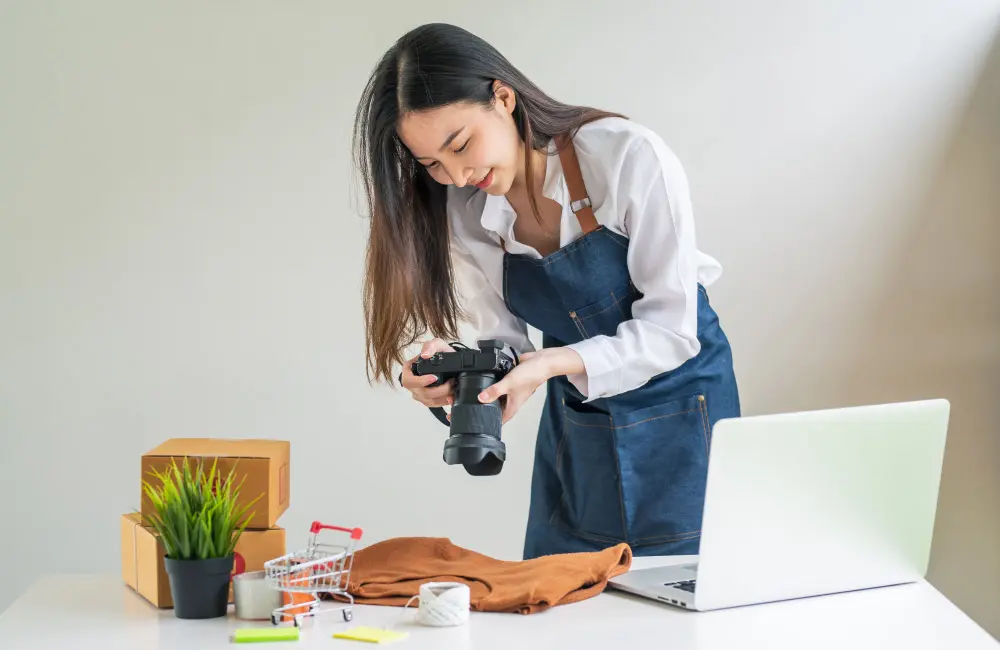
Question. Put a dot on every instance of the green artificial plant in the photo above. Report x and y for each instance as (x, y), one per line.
(196, 515)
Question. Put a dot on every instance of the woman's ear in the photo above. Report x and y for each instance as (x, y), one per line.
(504, 96)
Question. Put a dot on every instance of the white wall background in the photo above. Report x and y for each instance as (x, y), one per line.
(181, 250)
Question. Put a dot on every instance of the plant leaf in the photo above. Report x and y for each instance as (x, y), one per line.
(196, 512)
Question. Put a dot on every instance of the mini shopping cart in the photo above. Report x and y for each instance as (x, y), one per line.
(321, 568)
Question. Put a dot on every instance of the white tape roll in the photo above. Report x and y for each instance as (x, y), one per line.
(443, 604)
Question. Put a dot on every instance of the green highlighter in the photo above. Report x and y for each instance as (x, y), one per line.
(262, 634)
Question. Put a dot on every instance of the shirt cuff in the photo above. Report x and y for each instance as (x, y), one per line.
(603, 369)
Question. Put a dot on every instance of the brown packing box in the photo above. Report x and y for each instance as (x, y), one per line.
(263, 462)
(143, 568)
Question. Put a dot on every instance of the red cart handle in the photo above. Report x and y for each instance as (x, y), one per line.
(316, 527)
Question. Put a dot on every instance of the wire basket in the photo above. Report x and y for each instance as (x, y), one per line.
(321, 568)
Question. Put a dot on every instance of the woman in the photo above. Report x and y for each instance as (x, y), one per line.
(575, 221)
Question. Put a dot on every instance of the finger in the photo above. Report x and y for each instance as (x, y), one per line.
(524, 356)
(429, 401)
(495, 391)
(438, 392)
(434, 346)
(414, 382)
(419, 381)
(434, 402)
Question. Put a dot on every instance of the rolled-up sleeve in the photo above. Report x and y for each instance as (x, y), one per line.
(655, 209)
(484, 305)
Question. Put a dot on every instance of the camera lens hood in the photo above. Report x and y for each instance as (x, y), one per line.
(481, 455)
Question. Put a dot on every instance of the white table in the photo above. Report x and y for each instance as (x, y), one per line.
(87, 612)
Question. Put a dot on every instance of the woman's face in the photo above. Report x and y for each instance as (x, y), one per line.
(467, 144)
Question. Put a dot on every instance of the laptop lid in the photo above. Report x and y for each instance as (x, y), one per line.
(818, 502)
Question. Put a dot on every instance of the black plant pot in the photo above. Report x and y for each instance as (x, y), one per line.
(200, 588)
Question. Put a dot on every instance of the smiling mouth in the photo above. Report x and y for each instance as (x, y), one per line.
(485, 181)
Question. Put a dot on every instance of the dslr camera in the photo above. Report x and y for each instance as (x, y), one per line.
(474, 438)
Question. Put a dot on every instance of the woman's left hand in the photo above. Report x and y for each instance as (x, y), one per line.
(532, 370)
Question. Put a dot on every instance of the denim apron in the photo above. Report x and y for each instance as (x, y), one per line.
(631, 467)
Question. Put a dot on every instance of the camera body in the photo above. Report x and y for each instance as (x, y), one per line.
(474, 438)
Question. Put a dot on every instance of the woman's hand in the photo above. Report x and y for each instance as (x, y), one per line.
(418, 385)
(533, 370)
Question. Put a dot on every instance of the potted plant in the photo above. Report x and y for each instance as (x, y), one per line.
(199, 523)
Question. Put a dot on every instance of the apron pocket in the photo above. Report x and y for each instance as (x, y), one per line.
(663, 455)
(603, 316)
(591, 503)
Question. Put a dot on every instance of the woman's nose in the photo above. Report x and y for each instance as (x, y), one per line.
(460, 176)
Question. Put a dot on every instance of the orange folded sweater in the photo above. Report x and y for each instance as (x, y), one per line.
(391, 572)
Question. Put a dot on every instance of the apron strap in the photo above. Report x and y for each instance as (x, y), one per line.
(579, 201)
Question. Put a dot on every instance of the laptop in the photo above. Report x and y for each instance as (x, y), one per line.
(809, 504)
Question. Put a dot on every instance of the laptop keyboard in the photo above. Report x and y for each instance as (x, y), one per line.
(683, 585)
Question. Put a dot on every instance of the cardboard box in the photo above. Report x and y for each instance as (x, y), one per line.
(143, 568)
(263, 462)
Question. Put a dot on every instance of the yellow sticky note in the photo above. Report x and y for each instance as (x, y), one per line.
(370, 634)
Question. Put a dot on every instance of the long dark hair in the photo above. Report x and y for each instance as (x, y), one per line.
(408, 286)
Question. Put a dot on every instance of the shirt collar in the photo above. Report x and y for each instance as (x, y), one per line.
(498, 214)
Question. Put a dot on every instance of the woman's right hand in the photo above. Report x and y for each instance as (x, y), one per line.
(419, 385)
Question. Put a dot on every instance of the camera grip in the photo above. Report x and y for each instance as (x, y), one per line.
(414, 368)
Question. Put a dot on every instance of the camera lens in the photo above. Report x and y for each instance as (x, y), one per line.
(475, 442)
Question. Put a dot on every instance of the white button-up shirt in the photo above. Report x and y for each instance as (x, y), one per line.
(638, 189)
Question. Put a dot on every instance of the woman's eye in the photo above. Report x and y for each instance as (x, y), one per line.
(462, 148)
